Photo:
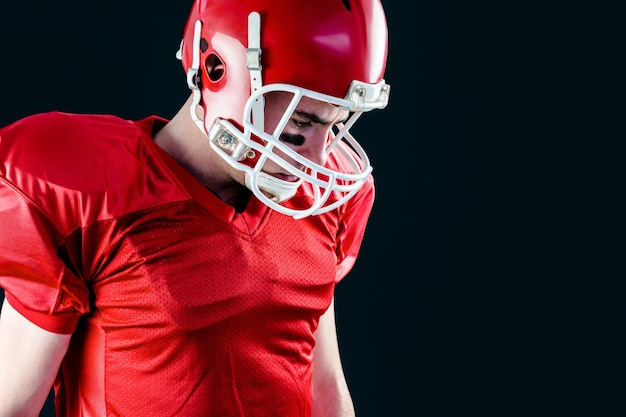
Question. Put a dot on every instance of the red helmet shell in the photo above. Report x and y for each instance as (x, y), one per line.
(320, 45)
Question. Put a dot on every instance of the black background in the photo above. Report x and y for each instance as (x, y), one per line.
(490, 282)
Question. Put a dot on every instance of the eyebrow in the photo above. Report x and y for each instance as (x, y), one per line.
(315, 118)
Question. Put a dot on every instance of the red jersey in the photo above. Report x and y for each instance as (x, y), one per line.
(179, 305)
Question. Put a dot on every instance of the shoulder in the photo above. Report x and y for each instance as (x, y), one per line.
(91, 162)
(54, 126)
(71, 150)
(51, 139)
(60, 134)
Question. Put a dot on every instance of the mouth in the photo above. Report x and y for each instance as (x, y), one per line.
(286, 177)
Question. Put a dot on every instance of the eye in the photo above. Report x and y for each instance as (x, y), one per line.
(300, 124)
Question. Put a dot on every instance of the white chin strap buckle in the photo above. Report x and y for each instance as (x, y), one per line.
(278, 189)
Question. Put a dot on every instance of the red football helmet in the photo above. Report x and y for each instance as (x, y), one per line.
(237, 51)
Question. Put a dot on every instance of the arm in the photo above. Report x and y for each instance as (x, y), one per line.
(331, 397)
(29, 361)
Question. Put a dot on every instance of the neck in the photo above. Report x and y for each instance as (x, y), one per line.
(190, 147)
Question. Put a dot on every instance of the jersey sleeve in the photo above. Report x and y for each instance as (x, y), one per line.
(352, 228)
(33, 272)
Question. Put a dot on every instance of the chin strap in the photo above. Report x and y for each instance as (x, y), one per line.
(253, 55)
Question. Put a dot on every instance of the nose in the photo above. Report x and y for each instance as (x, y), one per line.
(315, 144)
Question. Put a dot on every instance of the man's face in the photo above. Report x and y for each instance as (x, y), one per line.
(307, 132)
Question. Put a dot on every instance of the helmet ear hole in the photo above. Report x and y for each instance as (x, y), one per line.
(215, 68)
